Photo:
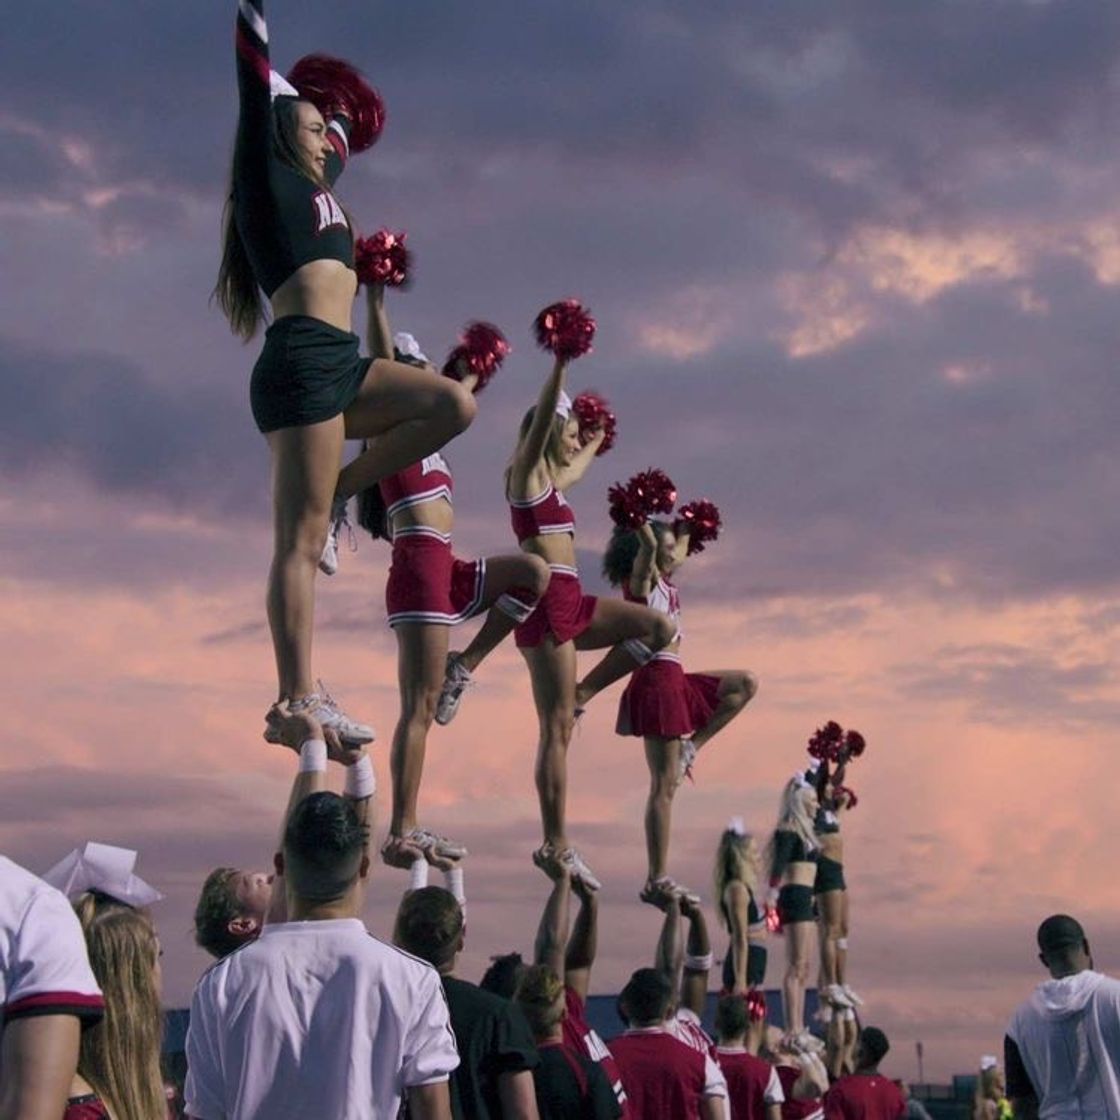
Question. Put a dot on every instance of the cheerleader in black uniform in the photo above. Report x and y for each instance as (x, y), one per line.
(738, 881)
(286, 234)
(674, 711)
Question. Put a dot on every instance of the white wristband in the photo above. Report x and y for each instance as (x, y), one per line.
(453, 879)
(418, 874)
(313, 757)
(361, 781)
(698, 964)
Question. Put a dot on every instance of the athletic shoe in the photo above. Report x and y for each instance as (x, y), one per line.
(329, 714)
(836, 995)
(807, 1043)
(853, 999)
(687, 757)
(456, 681)
(431, 843)
(659, 892)
(568, 859)
(340, 519)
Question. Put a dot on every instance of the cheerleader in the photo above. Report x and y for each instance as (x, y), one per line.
(738, 874)
(831, 892)
(547, 461)
(428, 591)
(286, 234)
(793, 867)
(675, 712)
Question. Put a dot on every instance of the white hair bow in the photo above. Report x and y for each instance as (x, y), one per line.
(737, 826)
(407, 345)
(104, 868)
(279, 86)
(563, 405)
(800, 779)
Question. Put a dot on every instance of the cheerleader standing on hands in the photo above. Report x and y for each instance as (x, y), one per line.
(429, 589)
(675, 712)
(547, 461)
(286, 233)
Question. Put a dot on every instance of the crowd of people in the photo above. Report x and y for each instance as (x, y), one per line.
(304, 1013)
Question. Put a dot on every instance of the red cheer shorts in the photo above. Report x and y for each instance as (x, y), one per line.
(427, 583)
(665, 702)
(563, 613)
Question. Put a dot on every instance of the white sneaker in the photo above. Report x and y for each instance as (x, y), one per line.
(853, 999)
(329, 714)
(340, 519)
(808, 1043)
(570, 860)
(687, 757)
(456, 681)
(836, 995)
(431, 842)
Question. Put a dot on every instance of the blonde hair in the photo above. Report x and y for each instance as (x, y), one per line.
(793, 816)
(734, 864)
(540, 995)
(119, 1057)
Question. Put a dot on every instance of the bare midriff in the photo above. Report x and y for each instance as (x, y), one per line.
(553, 548)
(322, 289)
(832, 846)
(436, 514)
(801, 874)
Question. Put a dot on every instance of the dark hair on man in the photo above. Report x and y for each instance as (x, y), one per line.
(324, 844)
(731, 1017)
(429, 925)
(218, 905)
(874, 1045)
(1059, 934)
(503, 975)
(647, 997)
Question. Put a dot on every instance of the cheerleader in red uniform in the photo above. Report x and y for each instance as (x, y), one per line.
(549, 459)
(429, 590)
(675, 712)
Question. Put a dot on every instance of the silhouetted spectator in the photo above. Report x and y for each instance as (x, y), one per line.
(866, 1094)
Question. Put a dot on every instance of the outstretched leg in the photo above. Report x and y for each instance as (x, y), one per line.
(662, 756)
(510, 591)
(636, 633)
(736, 690)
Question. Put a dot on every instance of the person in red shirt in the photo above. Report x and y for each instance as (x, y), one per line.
(665, 1079)
(866, 1094)
(754, 1090)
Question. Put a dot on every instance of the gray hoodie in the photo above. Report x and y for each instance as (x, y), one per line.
(1068, 1036)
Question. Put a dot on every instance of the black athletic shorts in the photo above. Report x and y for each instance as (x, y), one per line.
(308, 371)
(830, 876)
(795, 904)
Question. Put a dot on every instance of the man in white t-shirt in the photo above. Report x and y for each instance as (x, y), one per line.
(316, 1017)
(1062, 1049)
(47, 993)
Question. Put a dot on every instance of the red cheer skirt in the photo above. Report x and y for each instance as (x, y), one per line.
(665, 702)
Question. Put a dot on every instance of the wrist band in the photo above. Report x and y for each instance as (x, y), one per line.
(418, 874)
(361, 781)
(313, 757)
(698, 964)
(453, 879)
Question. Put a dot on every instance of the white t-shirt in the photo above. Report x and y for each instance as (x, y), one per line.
(43, 964)
(1068, 1038)
(315, 1019)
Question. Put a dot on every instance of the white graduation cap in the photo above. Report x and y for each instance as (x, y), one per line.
(104, 868)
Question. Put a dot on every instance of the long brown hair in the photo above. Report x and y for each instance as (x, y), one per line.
(733, 864)
(237, 292)
(119, 1057)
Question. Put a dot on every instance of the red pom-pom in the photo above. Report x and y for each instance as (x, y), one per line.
(383, 258)
(656, 489)
(854, 744)
(565, 329)
(625, 507)
(773, 920)
(849, 794)
(483, 348)
(594, 414)
(703, 522)
(825, 742)
(336, 88)
(756, 1005)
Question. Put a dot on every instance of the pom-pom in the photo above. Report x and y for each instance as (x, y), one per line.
(773, 920)
(703, 522)
(648, 492)
(854, 744)
(826, 741)
(847, 793)
(383, 258)
(336, 88)
(482, 348)
(755, 1000)
(565, 329)
(625, 508)
(594, 414)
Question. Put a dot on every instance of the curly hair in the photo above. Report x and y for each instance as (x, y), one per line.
(622, 551)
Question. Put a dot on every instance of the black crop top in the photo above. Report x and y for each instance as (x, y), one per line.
(789, 848)
(285, 218)
(825, 822)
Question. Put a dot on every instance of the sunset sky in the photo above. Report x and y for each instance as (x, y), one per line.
(855, 265)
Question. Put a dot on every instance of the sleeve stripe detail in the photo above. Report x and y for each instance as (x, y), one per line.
(254, 19)
(81, 1004)
(257, 60)
(337, 136)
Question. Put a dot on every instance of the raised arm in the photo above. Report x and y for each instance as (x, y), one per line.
(38, 1055)
(643, 575)
(583, 941)
(379, 335)
(552, 933)
(530, 450)
(254, 83)
(680, 549)
(568, 476)
(669, 956)
(697, 960)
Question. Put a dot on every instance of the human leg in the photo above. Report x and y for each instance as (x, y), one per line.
(661, 757)
(736, 689)
(635, 632)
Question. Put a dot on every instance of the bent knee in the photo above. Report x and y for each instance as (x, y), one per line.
(662, 632)
(459, 407)
(419, 707)
(537, 575)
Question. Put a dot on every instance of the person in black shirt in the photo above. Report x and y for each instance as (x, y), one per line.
(496, 1050)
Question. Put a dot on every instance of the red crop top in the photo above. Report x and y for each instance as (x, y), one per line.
(426, 481)
(542, 516)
